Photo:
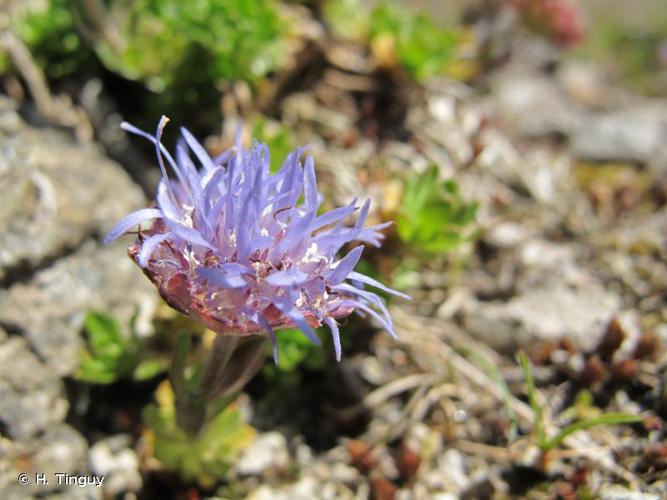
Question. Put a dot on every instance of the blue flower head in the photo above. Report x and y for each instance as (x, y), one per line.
(244, 251)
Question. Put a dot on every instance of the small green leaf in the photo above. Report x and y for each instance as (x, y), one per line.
(95, 371)
(421, 47)
(277, 137)
(149, 368)
(294, 349)
(177, 376)
(606, 419)
(532, 398)
(205, 457)
(104, 333)
(109, 355)
(494, 374)
(433, 217)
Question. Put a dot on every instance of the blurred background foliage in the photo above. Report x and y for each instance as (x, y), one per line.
(397, 35)
(636, 53)
(111, 354)
(203, 459)
(150, 40)
(433, 217)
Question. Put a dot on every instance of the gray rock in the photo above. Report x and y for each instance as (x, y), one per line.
(506, 235)
(555, 297)
(544, 314)
(587, 84)
(266, 453)
(54, 193)
(304, 107)
(536, 105)
(60, 450)
(306, 488)
(50, 308)
(31, 394)
(114, 459)
(532, 103)
(636, 134)
(643, 235)
(618, 492)
(450, 473)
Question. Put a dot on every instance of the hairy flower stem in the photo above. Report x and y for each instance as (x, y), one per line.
(231, 363)
(190, 413)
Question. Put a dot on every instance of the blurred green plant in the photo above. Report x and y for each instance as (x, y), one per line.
(110, 355)
(204, 457)
(419, 45)
(151, 40)
(182, 53)
(243, 38)
(276, 136)
(635, 53)
(494, 374)
(348, 19)
(294, 350)
(396, 35)
(433, 217)
(49, 32)
(546, 443)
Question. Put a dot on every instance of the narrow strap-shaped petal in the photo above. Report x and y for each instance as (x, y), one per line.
(223, 158)
(249, 213)
(228, 211)
(148, 247)
(297, 230)
(372, 234)
(188, 234)
(158, 150)
(130, 221)
(200, 208)
(362, 215)
(221, 279)
(214, 200)
(191, 179)
(288, 277)
(291, 312)
(331, 241)
(197, 149)
(261, 321)
(372, 298)
(310, 185)
(137, 131)
(335, 335)
(333, 216)
(236, 268)
(345, 266)
(165, 201)
(370, 281)
(356, 304)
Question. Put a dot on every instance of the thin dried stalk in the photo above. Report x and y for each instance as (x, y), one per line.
(22, 58)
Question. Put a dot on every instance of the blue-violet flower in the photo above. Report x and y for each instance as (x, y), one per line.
(244, 251)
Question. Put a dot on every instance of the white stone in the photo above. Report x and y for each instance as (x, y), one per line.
(267, 452)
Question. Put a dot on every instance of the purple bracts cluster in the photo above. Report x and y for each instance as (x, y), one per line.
(244, 251)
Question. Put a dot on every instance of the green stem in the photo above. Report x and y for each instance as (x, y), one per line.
(190, 413)
(231, 363)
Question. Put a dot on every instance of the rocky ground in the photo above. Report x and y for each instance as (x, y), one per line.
(570, 172)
